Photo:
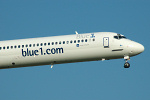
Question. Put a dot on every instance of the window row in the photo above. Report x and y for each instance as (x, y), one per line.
(45, 44)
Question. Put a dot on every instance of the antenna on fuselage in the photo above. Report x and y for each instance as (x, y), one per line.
(76, 32)
(52, 65)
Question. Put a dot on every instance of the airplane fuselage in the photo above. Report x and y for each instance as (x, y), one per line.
(66, 49)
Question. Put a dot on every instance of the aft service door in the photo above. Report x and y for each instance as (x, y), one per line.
(106, 42)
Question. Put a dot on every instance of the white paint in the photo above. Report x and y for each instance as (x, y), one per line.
(91, 50)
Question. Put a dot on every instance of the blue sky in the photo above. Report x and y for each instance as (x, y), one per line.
(95, 80)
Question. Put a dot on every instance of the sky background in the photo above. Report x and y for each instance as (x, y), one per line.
(97, 80)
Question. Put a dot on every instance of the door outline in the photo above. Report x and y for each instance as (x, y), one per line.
(106, 42)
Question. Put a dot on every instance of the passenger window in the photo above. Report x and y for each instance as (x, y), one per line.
(49, 43)
(26, 45)
(11, 47)
(78, 41)
(37, 44)
(74, 41)
(85, 40)
(56, 43)
(59, 42)
(44, 44)
(30, 45)
(15, 46)
(18, 46)
(71, 41)
(3, 47)
(22, 46)
(7, 47)
(93, 39)
(41, 44)
(63, 42)
(67, 42)
(52, 43)
(0, 48)
(82, 40)
(33, 45)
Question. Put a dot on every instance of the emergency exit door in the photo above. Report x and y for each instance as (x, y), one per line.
(106, 42)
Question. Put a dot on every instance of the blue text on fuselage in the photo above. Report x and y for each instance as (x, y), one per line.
(41, 51)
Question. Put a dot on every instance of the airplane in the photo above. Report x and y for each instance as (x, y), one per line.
(73, 48)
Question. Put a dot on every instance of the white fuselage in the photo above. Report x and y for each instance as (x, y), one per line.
(66, 49)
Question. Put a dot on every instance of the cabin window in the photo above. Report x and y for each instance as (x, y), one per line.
(85, 40)
(56, 43)
(82, 40)
(3, 47)
(63, 42)
(37, 44)
(48, 43)
(33, 45)
(74, 41)
(78, 41)
(59, 42)
(18, 46)
(67, 42)
(44, 44)
(15, 46)
(71, 41)
(93, 39)
(7, 47)
(41, 44)
(0, 48)
(26, 45)
(52, 43)
(30, 45)
(11, 47)
(22, 46)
